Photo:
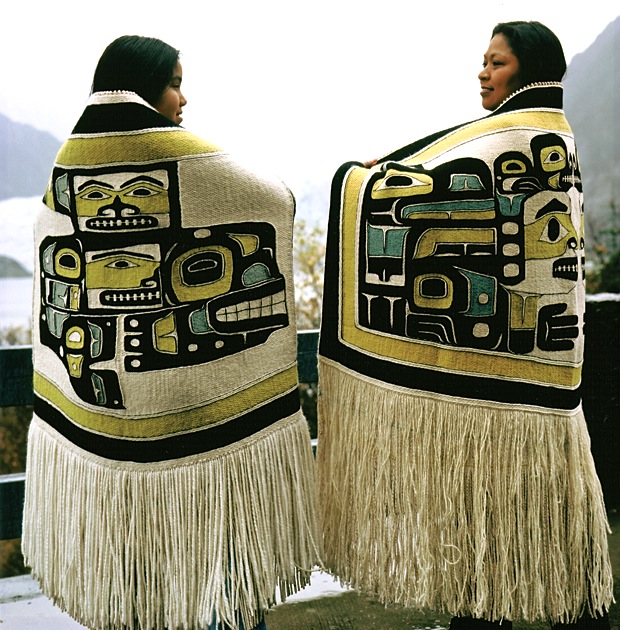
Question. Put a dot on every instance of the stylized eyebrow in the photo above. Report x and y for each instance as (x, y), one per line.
(94, 182)
(553, 206)
(142, 178)
(122, 252)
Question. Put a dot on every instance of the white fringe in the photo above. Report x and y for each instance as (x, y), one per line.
(431, 502)
(174, 545)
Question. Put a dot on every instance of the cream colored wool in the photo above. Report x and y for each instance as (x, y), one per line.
(171, 543)
(453, 453)
(479, 509)
(170, 477)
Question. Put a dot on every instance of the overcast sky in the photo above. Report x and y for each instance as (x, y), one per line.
(302, 87)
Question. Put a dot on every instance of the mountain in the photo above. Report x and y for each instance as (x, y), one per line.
(26, 156)
(10, 268)
(17, 217)
(592, 90)
(592, 105)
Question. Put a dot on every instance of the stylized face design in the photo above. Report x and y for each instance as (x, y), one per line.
(235, 276)
(552, 219)
(118, 202)
(552, 245)
(126, 279)
(170, 297)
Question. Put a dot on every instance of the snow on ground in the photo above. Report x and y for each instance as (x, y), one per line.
(24, 607)
(321, 585)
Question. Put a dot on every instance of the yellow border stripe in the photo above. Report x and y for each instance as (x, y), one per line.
(147, 146)
(551, 121)
(178, 422)
(422, 354)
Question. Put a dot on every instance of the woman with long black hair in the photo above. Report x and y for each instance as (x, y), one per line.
(455, 470)
(170, 477)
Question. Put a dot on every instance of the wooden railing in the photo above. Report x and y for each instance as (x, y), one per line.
(600, 392)
(16, 390)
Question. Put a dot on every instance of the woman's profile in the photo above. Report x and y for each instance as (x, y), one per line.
(450, 361)
(170, 479)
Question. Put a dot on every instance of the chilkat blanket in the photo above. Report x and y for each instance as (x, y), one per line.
(170, 478)
(454, 463)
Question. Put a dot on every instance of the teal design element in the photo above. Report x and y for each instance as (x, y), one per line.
(47, 260)
(98, 388)
(482, 291)
(510, 206)
(55, 320)
(466, 182)
(471, 205)
(256, 274)
(59, 294)
(198, 322)
(62, 190)
(96, 339)
(388, 242)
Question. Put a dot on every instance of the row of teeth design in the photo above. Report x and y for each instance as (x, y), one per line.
(131, 298)
(265, 307)
(571, 268)
(570, 179)
(103, 224)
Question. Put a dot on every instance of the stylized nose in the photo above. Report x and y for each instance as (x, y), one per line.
(118, 208)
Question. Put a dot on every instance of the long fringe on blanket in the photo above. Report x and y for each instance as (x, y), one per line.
(494, 512)
(182, 546)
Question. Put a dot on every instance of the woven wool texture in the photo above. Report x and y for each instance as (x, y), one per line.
(170, 480)
(454, 461)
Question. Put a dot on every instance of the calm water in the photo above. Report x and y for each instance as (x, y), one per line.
(15, 302)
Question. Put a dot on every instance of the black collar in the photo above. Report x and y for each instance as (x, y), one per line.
(547, 95)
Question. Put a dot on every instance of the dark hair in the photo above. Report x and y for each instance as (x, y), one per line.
(144, 65)
(537, 48)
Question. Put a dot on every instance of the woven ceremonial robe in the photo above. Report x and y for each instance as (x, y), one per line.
(454, 461)
(170, 476)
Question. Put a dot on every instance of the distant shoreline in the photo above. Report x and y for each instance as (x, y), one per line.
(11, 268)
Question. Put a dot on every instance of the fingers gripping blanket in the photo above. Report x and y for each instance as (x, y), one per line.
(170, 477)
(450, 360)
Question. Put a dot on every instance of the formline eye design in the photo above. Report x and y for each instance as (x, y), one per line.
(95, 195)
(142, 192)
(554, 231)
(121, 263)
